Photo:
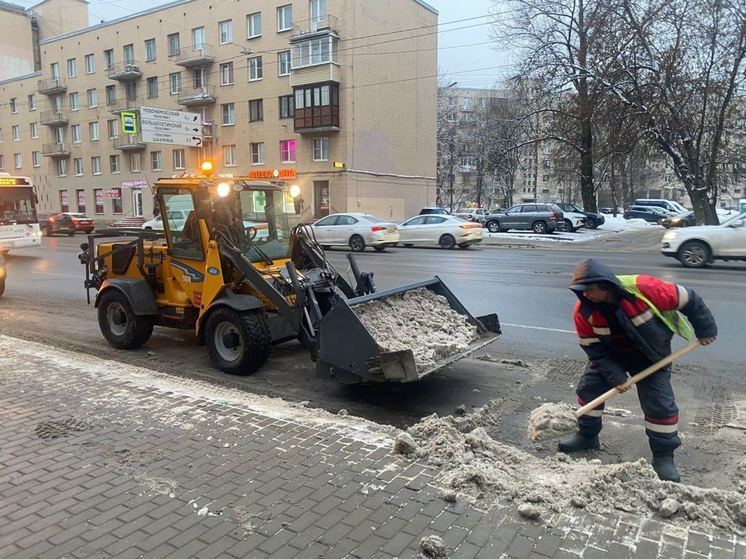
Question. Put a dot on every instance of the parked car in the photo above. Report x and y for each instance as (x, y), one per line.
(592, 219)
(82, 222)
(572, 221)
(651, 214)
(177, 218)
(473, 214)
(446, 231)
(434, 211)
(56, 223)
(539, 218)
(668, 205)
(696, 247)
(685, 219)
(356, 230)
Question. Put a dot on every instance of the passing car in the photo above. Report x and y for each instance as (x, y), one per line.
(177, 218)
(685, 219)
(696, 247)
(592, 219)
(477, 215)
(355, 230)
(539, 218)
(56, 224)
(434, 211)
(668, 205)
(445, 231)
(82, 222)
(651, 214)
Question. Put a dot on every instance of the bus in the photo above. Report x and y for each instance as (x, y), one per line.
(19, 222)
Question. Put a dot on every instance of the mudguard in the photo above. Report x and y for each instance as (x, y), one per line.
(235, 301)
(139, 294)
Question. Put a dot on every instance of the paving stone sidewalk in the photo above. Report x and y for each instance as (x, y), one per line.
(100, 459)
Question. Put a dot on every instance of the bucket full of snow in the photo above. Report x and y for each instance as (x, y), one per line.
(400, 335)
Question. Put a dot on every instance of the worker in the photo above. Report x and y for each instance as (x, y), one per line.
(625, 324)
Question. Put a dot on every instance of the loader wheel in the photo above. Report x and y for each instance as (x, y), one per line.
(357, 244)
(119, 324)
(447, 242)
(238, 343)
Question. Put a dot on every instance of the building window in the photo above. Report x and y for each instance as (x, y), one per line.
(90, 64)
(321, 149)
(108, 59)
(93, 131)
(35, 160)
(34, 128)
(18, 160)
(198, 38)
(255, 68)
(149, 50)
(287, 151)
(74, 101)
(226, 73)
(174, 44)
(130, 91)
(62, 169)
(96, 165)
(229, 114)
(13, 105)
(32, 102)
(152, 88)
(315, 51)
(285, 18)
(229, 155)
(135, 163)
(64, 201)
(72, 68)
(75, 130)
(1, 135)
(98, 196)
(16, 132)
(80, 195)
(57, 103)
(111, 94)
(179, 160)
(54, 70)
(155, 160)
(283, 63)
(317, 106)
(254, 25)
(2, 159)
(128, 52)
(225, 31)
(257, 153)
(78, 166)
(256, 110)
(287, 106)
(114, 164)
(92, 95)
(112, 127)
(174, 82)
(199, 78)
(59, 135)
(116, 200)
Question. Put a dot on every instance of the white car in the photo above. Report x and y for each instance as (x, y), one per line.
(696, 247)
(355, 230)
(177, 218)
(446, 231)
(473, 214)
(573, 221)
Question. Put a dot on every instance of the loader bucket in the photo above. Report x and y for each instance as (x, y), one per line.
(348, 352)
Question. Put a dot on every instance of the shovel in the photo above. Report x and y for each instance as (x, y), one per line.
(554, 420)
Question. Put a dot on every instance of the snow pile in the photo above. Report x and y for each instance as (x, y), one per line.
(419, 320)
(551, 420)
(619, 224)
(474, 464)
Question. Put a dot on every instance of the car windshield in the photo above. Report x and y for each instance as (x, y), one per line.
(575, 208)
(734, 219)
(17, 205)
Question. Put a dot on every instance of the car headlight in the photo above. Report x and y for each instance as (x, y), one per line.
(670, 235)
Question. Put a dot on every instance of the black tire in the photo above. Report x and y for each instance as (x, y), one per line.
(540, 228)
(464, 246)
(409, 245)
(2, 286)
(248, 332)
(380, 248)
(694, 254)
(569, 227)
(447, 242)
(148, 229)
(119, 324)
(591, 223)
(357, 243)
(493, 226)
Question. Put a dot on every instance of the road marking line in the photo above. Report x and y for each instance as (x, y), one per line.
(538, 328)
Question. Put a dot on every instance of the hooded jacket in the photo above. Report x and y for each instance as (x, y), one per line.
(642, 325)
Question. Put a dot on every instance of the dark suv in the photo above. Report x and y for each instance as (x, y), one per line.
(539, 218)
(592, 219)
(57, 223)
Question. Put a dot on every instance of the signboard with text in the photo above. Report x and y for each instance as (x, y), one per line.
(286, 174)
(166, 126)
(136, 183)
(129, 122)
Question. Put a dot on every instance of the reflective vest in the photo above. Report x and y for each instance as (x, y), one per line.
(674, 320)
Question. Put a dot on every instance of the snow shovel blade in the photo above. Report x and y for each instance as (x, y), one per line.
(348, 353)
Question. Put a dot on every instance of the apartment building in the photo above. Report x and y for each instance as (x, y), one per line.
(336, 96)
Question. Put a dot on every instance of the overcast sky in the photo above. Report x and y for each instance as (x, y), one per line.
(459, 63)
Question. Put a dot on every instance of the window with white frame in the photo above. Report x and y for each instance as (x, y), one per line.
(108, 59)
(54, 70)
(174, 82)
(150, 50)
(74, 101)
(35, 159)
(198, 38)
(2, 160)
(229, 155)
(96, 165)
(75, 132)
(285, 18)
(321, 149)
(56, 102)
(13, 105)
(199, 78)
(287, 151)
(156, 163)
(255, 69)
(16, 132)
(34, 129)
(93, 131)
(257, 153)
(179, 159)
(135, 163)
(228, 111)
(92, 95)
(283, 63)
(62, 167)
(226, 73)
(225, 31)
(152, 85)
(128, 53)
(254, 25)
(59, 135)
(112, 127)
(114, 164)
(174, 44)
(78, 166)
(111, 94)
(32, 102)
(18, 160)
(72, 68)
(315, 51)
(90, 64)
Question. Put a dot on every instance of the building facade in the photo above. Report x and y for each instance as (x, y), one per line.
(336, 96)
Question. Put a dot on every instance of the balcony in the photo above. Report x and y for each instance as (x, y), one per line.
(53, 118)
(117, 106)
(128, 142)
(195, 57)
(125, 71)
(56, 150)
(195, 96)
(317, 119)
(51, 87)
(314, 26)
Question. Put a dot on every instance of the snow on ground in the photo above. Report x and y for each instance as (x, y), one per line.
(613, 225)
(618, 224)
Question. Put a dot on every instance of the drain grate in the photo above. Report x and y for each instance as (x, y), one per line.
(56, 429)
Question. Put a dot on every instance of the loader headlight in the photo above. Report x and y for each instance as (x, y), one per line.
(223, 189)
(295, 191)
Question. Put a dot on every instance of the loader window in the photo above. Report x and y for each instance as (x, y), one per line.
(181, 226)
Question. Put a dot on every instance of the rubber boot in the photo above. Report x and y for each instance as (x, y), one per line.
(665, 467)
(577, 442)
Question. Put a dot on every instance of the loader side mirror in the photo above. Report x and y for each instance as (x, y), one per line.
(84, 247)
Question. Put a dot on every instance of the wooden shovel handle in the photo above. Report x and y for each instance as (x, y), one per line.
(654, 368)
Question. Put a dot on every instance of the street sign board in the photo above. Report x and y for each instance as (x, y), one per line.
(165, 126)
(129, 122)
